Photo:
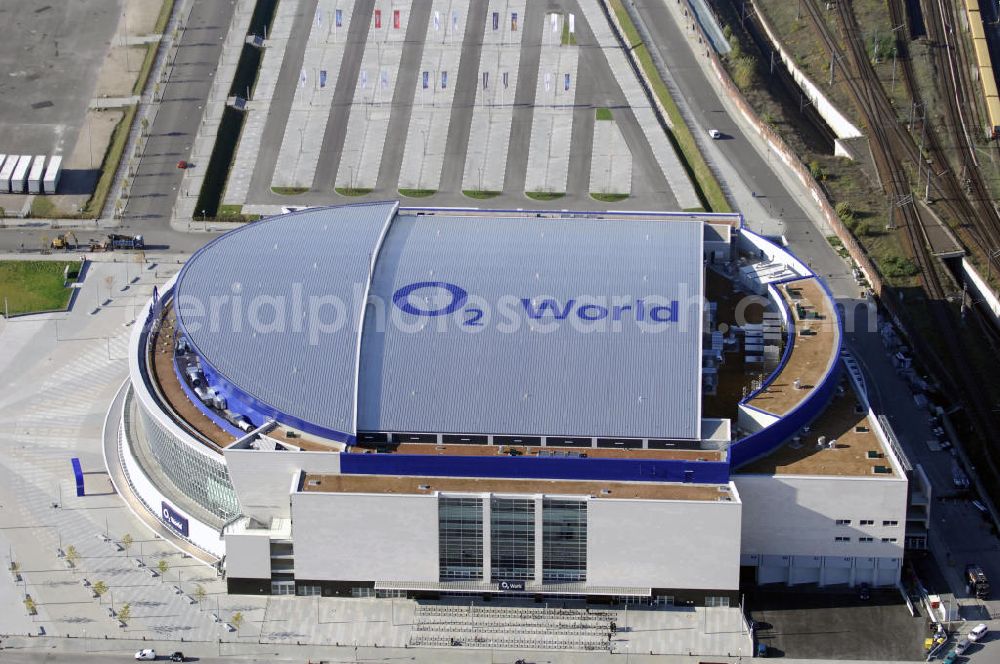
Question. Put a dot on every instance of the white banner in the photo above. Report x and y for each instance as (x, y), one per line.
(572, 23)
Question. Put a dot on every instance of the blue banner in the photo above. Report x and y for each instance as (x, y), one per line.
(78, 475)
(340, 18)
(322, 78)
(173, 519)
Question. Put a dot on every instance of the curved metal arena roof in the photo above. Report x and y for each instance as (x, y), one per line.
(495, 325)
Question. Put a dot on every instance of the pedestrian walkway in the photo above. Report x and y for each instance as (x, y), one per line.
(611, 161)
(311, 106)
(257, 110)
(430, 116)
(486, 157)
(667, 159)
(105, 103)
(552, 125)
(373, 97)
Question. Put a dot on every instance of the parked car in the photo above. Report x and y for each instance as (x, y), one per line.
(865, 592)
(715, 133)
(146, 655)
(962, 646)
(177, 657)
(950, 658)
(978, 632)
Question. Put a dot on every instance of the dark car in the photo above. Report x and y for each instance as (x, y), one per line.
(177, 657)
(865, 592)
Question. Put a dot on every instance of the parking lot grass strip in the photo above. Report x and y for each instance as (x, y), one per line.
(33, 286)
(568, 38)
(608, 198)
(147, 66)
(164, 17)
(604, 114)
(352, 191)
(417, 193)
(480, 194)
(680, 134)
(544, 195)
(113, 154)
(289, 191)
(230, 210)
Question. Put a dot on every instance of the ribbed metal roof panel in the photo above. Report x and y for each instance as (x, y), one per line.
(509, 373)
(275, 308)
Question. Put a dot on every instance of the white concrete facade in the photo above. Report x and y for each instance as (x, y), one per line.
(664, 544)
(365, 537)
(825, 530)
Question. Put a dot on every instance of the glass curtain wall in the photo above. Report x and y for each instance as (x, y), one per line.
(460, 538)
(564, 540)
(512, 538)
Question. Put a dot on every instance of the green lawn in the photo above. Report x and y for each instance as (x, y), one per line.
(544, 195)
(289, 191)
(417, 193)
(30, 286)
(480, 194)
(604, 114)
(352, 191)
(608, 198)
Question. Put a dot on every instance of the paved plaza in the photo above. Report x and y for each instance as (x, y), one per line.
(364, 100)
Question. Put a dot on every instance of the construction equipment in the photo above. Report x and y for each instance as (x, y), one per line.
(116, 241)
(66, 241)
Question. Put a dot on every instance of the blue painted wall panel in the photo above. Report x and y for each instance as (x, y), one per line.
(556, 468)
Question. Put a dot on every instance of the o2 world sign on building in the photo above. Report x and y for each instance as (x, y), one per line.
(173, 519)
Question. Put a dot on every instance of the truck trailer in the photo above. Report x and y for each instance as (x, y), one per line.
(19, 178)
(6, 171)
(52, 174)
(36, 174)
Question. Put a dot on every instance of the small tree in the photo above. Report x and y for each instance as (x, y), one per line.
(30, 606)
(72, 555)
(162, 567)
(15, 567)
(125, 612)
(99, 589)
(199, 593)
(237, 620)
(126, 538)
(145, 125)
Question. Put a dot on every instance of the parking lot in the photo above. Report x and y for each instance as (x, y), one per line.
(451, 102)
(836, 625)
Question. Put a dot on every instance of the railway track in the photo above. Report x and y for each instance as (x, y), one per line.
(892, 146)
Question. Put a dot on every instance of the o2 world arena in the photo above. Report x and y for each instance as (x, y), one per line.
(370, 400)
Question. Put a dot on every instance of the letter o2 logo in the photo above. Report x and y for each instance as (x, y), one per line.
(401, 298)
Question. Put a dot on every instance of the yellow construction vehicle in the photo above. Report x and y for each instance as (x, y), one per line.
(66, 241)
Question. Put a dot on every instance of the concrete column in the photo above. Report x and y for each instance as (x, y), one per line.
(539, 574)
(487, 539)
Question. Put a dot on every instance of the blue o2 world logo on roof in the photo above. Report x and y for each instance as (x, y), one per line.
(442, 298)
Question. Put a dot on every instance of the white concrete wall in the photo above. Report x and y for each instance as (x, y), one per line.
(982, 289)
(751, 420)
(841, 126)
(663, 544)
(263, 478)
(796, 515)
(365, 537)
(248, 556)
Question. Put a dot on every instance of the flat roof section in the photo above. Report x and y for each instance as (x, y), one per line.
(321, 483)
(857, 453)
(817, 336)
(523, 340)
(162, 373)
(523, 450)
